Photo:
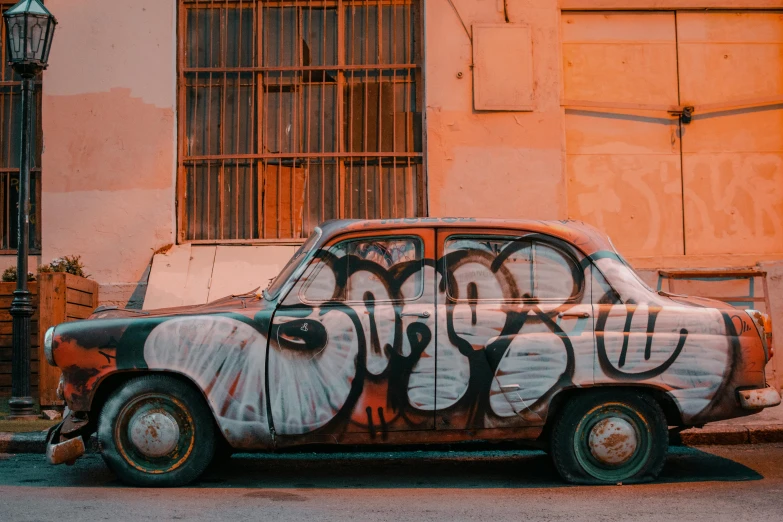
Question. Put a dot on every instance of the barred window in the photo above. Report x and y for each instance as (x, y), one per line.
(293, 112)
(10, 147)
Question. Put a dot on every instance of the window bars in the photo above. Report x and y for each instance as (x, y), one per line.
(296, 112)
(10, 147)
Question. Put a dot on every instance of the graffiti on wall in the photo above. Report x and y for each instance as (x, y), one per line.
(733, 202)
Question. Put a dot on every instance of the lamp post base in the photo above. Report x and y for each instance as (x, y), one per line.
(21, 408)
(21, 404)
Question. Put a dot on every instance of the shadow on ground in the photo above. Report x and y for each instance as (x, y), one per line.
(373, 470)
(427, 469)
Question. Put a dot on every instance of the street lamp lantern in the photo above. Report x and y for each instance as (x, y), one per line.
(29, 29)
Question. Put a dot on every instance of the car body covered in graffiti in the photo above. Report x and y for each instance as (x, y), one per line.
(415, 331)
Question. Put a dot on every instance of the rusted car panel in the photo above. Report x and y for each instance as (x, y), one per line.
(220, 347)
(422, 330)
(65, 452)
(700, 350)
(759, 399)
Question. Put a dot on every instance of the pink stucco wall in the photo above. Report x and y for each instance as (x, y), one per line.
(470, 154)
(109, 161)
(109, 138)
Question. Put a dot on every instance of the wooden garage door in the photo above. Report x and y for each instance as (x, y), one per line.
(731, 70)
(630, 159)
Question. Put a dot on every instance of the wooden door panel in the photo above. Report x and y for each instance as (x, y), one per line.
(623, 164)
(733, 149)
(635, 198)
(729, 56)
(620, 57)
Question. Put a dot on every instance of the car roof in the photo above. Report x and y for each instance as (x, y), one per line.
(586, 237)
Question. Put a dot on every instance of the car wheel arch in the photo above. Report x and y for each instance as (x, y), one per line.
(113, 381)
(667, 403)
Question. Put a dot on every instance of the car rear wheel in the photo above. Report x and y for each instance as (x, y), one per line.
(156, 431)
(609, 437)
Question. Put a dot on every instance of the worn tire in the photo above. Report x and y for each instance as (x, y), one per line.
(156, 431)
(608, 460)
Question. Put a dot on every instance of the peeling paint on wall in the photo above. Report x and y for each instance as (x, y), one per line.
(109, 123)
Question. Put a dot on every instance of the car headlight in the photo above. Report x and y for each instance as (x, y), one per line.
(48, 341)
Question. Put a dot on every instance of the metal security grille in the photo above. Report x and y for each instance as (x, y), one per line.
(295, 112)
(10, 135)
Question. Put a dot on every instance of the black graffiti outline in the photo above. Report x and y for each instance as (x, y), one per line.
(399, 367)
(482, 361)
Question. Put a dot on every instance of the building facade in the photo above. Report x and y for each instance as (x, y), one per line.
(230, 128)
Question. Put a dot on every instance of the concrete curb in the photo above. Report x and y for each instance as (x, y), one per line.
(31, 442)
(727, 435)
(35, 442)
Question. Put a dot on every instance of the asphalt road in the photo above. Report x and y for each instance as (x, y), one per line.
(707, 483)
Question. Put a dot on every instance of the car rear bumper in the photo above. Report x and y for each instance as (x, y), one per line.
(759, 398)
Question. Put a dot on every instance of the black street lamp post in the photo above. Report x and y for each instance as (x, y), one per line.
(29, 29)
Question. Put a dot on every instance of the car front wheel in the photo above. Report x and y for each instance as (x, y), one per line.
(609, 437)
(156, 431)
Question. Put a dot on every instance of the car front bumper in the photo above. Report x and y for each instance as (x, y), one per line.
(64, 441)
(759, 398)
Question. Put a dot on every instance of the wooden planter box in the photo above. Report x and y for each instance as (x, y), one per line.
(6, 343)
(57, 298)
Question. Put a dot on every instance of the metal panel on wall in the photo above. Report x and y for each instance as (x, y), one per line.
(502, 67)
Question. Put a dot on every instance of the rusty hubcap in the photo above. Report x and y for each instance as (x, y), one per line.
(613, 441)
(154, 433)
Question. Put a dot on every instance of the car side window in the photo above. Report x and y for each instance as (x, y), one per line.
(498, 268)
(554, 273)
(470, 263)
(352, 267)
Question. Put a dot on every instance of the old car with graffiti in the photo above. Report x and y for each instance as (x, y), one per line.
(415, 331)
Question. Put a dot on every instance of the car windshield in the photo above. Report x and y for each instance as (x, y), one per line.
(277, 283)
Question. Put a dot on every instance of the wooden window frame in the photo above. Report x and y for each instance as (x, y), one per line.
(11, 87)
(343, 158)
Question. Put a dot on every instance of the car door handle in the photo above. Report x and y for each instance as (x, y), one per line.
(583, 315)
(425, 314)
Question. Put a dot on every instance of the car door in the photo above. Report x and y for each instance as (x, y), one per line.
(352, 344)
(515, 326)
